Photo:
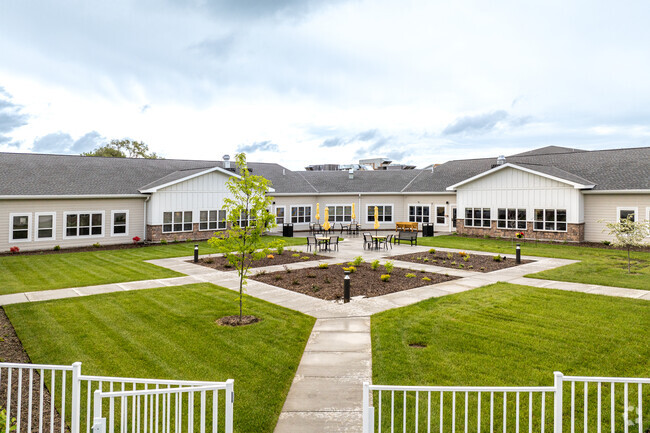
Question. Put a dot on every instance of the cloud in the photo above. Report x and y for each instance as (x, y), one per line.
(61, 142)
(333, 142)
(259, 146)
(478, 124)
(253, 9)
(144, 108)
(341, 141)
(11, 117)
(216, 47)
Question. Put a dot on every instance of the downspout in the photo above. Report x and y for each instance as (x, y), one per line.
(360, 209)
(144, 223)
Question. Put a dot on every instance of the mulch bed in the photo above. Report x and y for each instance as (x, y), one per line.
(220, 263)
(571, 244)
(11, 350)
(476, 262)
(79, 249)
(234, 320)
(328, 283)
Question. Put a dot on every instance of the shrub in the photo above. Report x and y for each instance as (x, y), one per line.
(385, 278)
(4, 421)
(470, 267)
(482, 268)
(453, 263)
(432, 251)
(286, 269)
(323, 266)
(461, 266)
(486, 236)
(374, 265)
(175, 240)
(450, 256)
(466, 258)
(426, 279)
(57, 248)
(14, 250)
(357, 261)
(425, 259)
(135, 240)
(163, 242)
(97, 245)
(295, 255)
(305, 258)
(350, 269)
(327, 280)
(606, 243)
(280, 250)
(278, 277)
(409, 275)
(314, 288)
(497, 258)
(389, 267)
(311, 276)
(295, 282)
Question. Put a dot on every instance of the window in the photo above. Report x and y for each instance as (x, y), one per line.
(212, 219)
(553, 220)
(384, 212)
(279, 215)
(20, 227)
(179, 221)
(300, 214)
(511, 219)
(625, 212)
(45, 224)
(419, 213)
(440, 214)
(120, 223)
(245, 220)
(84, 224)
(340, 213)
(477, 217)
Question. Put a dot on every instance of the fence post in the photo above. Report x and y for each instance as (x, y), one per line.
(99, 423)
(366, 425)
(557, 413)
(76, 397)
(230, 400)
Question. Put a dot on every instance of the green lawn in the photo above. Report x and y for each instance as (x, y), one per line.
(169, 333)
(506, 334)
(598, 265)
(28, 273)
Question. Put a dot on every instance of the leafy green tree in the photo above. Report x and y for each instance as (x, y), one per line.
(247, 219)
(123, 149)
(629, 233)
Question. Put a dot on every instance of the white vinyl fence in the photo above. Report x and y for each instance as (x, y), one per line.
(573, 404)
(58, 399)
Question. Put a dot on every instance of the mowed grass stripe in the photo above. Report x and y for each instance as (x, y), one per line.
(171, 332)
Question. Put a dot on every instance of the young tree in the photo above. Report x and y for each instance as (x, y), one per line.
(123, 149)
(629, 233)
(248, 218)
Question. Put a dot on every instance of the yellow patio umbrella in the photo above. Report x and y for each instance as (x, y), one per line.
(376, 219)
(354, 215)
(326, 225)
(317, 211)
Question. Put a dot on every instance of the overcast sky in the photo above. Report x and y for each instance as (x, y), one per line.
(307, 81)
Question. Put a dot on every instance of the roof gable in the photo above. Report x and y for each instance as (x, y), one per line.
(182, 176)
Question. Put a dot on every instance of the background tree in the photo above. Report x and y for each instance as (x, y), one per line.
(629, 233)
(247, 217)
(123, 149)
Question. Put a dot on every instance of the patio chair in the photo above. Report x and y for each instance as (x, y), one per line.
(311, 228)
(334, 243)
(311, 242)
(367, 241)
(387, 242)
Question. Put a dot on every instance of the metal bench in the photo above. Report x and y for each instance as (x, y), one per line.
(412, 237)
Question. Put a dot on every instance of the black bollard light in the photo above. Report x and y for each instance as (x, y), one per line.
(346, 287)
(196, 253)
(518, 260)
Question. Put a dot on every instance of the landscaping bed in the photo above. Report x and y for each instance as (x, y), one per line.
(220, 263)
(464, 261)
(327, 283)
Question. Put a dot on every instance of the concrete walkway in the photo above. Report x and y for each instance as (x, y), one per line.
(326, 393)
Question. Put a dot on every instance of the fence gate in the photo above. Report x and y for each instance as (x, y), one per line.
(165, 410)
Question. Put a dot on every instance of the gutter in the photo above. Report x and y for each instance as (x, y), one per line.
(68, 197)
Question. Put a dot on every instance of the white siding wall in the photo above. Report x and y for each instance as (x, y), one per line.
(205, 192)
(604, 207)
(518, 189)
(134, 206)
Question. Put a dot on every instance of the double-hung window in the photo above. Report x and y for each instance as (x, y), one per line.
(212, 219)
(300, 214)
(440, 214)
(120, 225)
(384, 213)
(20, 226)
(179, 221)
(510, 218)
(626, 212)
(477, 217)
(82, 224)
(340, 213)
(279, 215)
(553, 220)
(419, 214)
(45, 226)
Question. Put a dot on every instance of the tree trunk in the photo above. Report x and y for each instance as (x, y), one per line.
(628, 259)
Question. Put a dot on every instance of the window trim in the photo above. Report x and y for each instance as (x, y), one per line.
(311, 215)
(543, 221)
(126, 233)
(482, 219)
(633, 208)
(284, 217)
(344, 205)
(182, 223)
(435, 215)
(516, 220)
(91, 212)
(29, 226)
(38, 214)
(408, 212)
(219, 221)
(392, 213)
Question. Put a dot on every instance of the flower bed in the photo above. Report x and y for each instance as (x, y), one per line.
(461, 260)
(327, 282)
(220, 263)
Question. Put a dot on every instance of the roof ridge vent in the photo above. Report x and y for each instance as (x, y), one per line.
(501, 160)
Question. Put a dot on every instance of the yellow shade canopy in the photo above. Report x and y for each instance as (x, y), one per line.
(317, 211)
(326, 225)
(354, 215)
(376, 217)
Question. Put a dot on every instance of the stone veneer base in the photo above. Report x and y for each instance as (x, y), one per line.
(574, 233)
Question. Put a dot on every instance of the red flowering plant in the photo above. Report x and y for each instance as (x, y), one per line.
(14, 250)
(520, 235)
(136, 239)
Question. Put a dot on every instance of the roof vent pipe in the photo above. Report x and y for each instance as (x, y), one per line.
(284, 172)
(501, 160)
(226, 161)
(351, 173)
